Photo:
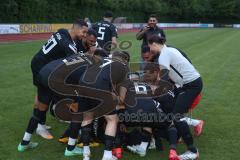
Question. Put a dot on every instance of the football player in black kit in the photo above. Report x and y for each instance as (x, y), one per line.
(142, 110)
(89, 43)
(60, 45)
(105, 76)
(107, 32)
(113, 72)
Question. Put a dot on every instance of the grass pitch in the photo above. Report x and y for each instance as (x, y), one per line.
(214, 52)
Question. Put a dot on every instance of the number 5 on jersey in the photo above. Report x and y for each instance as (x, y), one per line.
(101, 31)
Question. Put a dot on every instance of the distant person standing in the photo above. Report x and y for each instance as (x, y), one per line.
(149, 30)
(106, 32)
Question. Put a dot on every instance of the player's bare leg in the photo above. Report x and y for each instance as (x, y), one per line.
(110, 133)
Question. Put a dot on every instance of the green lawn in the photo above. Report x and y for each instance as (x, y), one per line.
(215, 53)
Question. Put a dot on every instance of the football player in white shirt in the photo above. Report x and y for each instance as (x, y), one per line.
(176, 68)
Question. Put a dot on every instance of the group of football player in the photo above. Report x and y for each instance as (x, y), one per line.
(106, 99)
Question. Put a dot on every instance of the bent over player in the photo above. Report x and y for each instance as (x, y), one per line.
(60, 45)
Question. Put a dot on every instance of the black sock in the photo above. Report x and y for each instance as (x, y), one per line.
(184, 131)
(109, 142)
(86, 134)
(43, 118)
(117, 142)
(192, 148)
(172, 136)
(25, 142)
(70, 147)
(39, 115)
(146, 136)
(66, 133)
(158, 134)
(32, 124)
(119, 139)
(36, 117)
(74, 130)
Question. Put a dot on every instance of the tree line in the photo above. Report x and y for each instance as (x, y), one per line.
(65, 11)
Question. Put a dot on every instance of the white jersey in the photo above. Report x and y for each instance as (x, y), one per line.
(181, 71)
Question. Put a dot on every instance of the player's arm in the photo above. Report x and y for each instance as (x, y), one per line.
(123, 88)
(122, 94)
(114, 41)
(114, 35)
(141, 33)
(164, 62)
(121, 97)
(67, 46)
(164, 74)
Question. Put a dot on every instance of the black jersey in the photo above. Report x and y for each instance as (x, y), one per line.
(137, 91)
(80, 61)
(140, 97)
(143, 106)
(60, 45)
(80, 47)
(152, 31)
(105, 31)
(104, 75)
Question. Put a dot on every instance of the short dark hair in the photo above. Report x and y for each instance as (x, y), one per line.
(152, 16)
(92, 32)
(151, 67)
(101, 53)
(80, 23)
(108, 14)
(156, 39)
(122, 54)
(145, 49)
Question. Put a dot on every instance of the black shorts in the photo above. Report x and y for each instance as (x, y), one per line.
(36, 65)
(44, 94)
(86, 104)
(35, 76)
(186, 95)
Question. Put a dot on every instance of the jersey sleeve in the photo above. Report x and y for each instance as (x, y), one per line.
(164, 60)
(114, 31)
(67, 46)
